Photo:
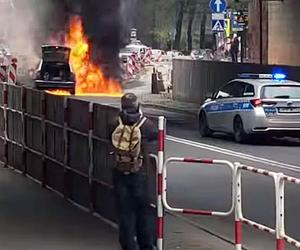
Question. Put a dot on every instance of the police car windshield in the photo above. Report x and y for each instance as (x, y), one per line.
(281, 92)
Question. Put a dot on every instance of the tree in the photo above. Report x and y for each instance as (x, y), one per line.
(192, 11)
(179, 20)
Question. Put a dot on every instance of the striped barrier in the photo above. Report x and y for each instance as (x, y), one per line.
(282, 234)
(160, 167)
(279, 183)
(3, 73)
(194, 211)
(236, 202)
(12, 74)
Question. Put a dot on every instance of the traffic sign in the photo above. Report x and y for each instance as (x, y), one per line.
(218, 6)
(218, 25)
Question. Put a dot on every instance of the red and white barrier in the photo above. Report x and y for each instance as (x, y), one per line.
(236, 169)
(282, 234)
(193, 211)
(3, 73)
(160, 58)
(160, 209)
(12, 74)
(279, 182)
(147, 57)
(8, 71)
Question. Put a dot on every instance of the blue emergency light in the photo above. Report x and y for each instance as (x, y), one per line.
(279, 76)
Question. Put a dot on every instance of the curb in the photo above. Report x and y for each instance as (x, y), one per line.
(165, 107)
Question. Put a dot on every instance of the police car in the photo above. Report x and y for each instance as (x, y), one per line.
(253, 104)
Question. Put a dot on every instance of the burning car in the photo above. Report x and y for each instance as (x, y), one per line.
(54, 70)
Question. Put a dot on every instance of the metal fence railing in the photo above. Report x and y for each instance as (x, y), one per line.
(279, 181)
(60, 142)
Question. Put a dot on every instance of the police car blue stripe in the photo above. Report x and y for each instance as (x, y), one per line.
(229, 106)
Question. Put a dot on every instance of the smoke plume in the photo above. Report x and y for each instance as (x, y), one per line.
(106, 24)
(26, 26)
(30, 23)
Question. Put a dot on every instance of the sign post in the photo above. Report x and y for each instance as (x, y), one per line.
(218, 7)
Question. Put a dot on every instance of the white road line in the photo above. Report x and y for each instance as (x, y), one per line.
(234, 153)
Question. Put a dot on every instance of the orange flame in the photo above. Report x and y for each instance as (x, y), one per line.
(59, 92)
(90, 79)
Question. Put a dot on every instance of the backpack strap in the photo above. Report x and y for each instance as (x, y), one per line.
(123, 131)
(141, 122)
(120, 120)
(138, 125)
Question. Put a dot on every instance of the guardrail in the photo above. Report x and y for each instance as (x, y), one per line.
(236, 190)
(60, 142)
(64, 145)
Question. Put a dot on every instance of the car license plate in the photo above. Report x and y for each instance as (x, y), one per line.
(289, 110)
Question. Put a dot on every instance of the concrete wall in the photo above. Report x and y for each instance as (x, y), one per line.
(254, 32)
(280, 32)
(284, 32)
(192, 80)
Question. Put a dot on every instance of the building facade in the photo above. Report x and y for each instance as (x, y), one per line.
(274, 34)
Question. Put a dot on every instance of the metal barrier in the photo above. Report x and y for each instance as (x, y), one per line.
(32, 133)
(279, 183)
(239, 219)
(193, 211)
(236, 169)
(54, 140)
(282, 234)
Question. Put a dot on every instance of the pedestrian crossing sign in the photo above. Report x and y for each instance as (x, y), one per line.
(218, 25)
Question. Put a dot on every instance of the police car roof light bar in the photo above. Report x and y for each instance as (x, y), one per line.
(255, 76)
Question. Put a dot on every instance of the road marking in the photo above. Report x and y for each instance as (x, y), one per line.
(234, 153)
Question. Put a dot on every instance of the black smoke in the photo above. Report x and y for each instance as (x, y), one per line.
(104, 25)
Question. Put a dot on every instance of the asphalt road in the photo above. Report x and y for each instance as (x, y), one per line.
(202, 187)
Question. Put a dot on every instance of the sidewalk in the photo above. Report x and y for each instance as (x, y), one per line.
(164, 101)
(32, 218)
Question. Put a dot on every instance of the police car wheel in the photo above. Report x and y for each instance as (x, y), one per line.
(239, 133)
(204, 129)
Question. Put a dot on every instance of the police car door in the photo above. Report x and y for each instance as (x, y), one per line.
(229, 106)
(216, 110)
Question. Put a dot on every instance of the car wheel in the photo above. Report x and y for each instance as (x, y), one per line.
(239, 133)
(204, 129)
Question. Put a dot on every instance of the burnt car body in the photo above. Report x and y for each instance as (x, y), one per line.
(55, 71)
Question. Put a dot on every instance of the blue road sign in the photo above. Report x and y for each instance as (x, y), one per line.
(218, 6)
(218, 25)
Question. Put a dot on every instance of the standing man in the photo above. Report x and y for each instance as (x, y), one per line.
(234, 49)
(130, 139)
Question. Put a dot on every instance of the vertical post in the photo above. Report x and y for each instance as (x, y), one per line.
(23, 94)
(279, 186)
(238, 207)
(5, 103)
(66, 149)
(43, 126)
(91, 149)
(160, 210)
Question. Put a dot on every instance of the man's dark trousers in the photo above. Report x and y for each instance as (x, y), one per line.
(135, 216)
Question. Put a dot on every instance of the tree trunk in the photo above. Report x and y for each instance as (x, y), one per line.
(202, 31)
(179, 24)
(192, 10)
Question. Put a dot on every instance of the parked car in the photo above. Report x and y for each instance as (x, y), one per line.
(54, 70)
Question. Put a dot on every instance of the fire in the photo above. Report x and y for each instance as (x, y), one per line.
(90, 79)
(59, 92)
